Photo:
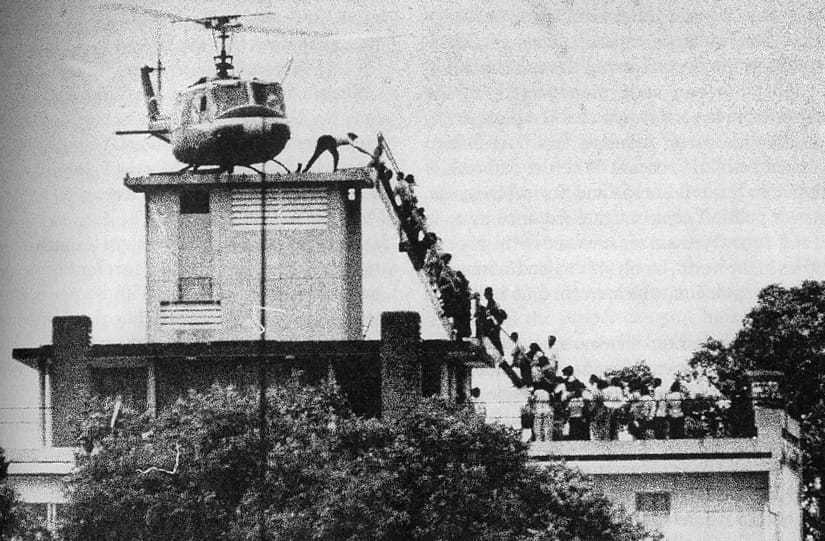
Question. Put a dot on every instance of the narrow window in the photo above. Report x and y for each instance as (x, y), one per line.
(194, 202)
(194, 288)
(203, 104)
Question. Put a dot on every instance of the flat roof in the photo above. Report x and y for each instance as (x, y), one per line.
(354, 177)
(40, 461)
(688, 455)
(458, 351)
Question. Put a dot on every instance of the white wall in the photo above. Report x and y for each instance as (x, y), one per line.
(712, 507)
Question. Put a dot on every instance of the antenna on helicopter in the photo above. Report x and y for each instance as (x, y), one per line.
(286, 69)
(159, 69)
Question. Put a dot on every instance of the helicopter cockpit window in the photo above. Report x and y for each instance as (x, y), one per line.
(268, 94)
(230, 96)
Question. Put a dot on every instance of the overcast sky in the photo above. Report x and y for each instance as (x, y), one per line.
(627, 175)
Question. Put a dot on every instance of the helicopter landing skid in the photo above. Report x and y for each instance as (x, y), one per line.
(194, 170)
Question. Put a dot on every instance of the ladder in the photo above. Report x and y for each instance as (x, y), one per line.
(387, 196)
(385, 193)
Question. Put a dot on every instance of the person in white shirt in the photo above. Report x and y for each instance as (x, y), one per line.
(660, 425)
(676, 416)
(613, 400)
(544, 415)
(328, 143)
(518, 350)
(551, 355)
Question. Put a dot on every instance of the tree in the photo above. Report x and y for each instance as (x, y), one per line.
(439, 472)
(785, 331)
(639, 372)
(7, 499)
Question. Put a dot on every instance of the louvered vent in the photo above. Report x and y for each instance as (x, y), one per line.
(190, 313)
(303, 208)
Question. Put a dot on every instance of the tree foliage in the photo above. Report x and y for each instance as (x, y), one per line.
(6, 498)
(639, 372)
(785, 331)
(439, 472)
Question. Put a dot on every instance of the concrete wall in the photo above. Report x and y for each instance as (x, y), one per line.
(401, 362)
(785, 508)
(69, 373)
(313, 278)
(704, 506)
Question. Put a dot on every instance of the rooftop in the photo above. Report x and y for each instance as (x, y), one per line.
(681, 456)
(459, 351)
(355, 177)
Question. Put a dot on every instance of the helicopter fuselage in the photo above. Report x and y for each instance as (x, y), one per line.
(229, 121)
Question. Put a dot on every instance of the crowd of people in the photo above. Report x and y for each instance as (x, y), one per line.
(562, 407)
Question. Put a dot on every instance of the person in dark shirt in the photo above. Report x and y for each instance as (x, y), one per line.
(577, 417)
(461, 307)
(495, 317)
(328, 143)
(546, 376)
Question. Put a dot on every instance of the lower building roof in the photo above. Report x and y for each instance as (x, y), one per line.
(462, 352)
(355, 177)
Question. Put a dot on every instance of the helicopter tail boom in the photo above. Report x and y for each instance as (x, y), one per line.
(152, 107)
(162, 134)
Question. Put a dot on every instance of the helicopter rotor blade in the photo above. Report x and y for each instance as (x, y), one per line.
(217, 21)
(157, 13)
(282, 31)
(211, 18)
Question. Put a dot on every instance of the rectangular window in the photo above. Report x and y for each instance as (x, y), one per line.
(194, 247)
(195, 288)
(653, 503)
(194, 202)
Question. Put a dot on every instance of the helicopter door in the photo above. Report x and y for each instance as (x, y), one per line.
(195, 109)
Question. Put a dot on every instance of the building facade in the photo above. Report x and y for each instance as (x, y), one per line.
(242, 272)
(689, 489)
(205, 252)
(222, 250)
(699, 489)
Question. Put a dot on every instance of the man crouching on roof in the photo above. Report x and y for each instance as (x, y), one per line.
(328, 143)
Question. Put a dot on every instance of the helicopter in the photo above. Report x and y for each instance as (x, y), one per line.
(223, 120)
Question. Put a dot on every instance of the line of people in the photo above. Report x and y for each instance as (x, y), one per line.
(458, 302)
(424, 247)
(560, 406)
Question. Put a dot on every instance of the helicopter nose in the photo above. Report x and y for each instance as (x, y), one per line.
(229, 132)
